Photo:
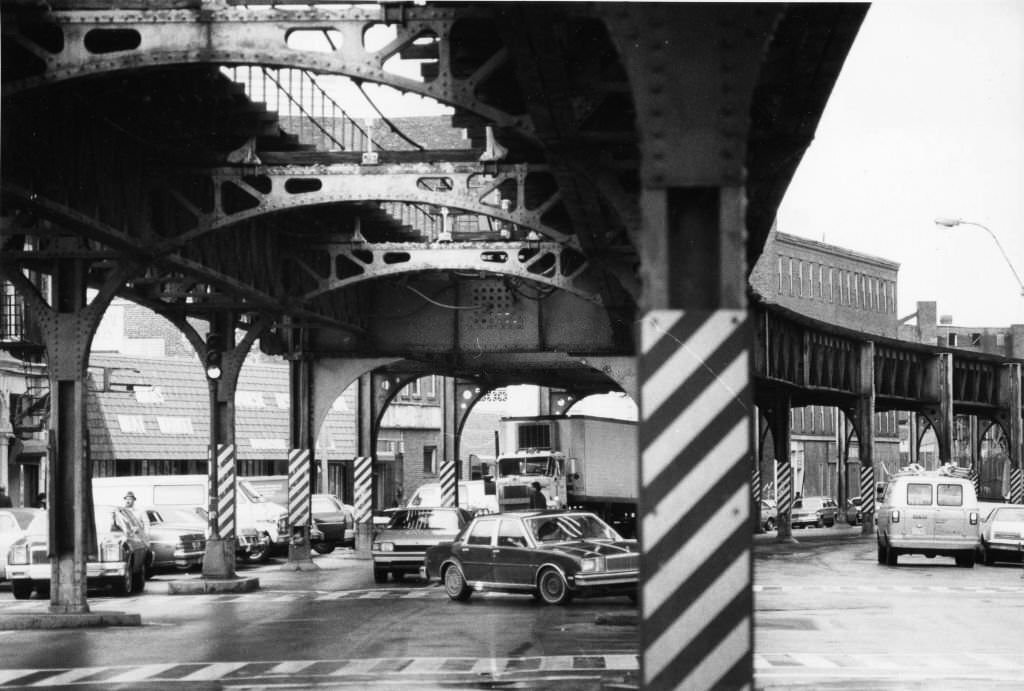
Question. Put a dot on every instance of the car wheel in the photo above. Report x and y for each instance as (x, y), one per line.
(831, 522)
(22, 589)
(881, 553)
(890, 556)
(124, 585)
(455, 585)
(324, 547)
(769, 525)
(965, 559)
(259, 553)
(820, 523)
(553, 588)
(380, 575)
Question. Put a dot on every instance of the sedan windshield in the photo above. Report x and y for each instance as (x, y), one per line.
(1014, 514)
(569, 527)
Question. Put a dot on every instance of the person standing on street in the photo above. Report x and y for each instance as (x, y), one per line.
(537, 498)
(140, 515)
(5, 501)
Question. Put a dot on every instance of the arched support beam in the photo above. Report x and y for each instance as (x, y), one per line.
(222, 34)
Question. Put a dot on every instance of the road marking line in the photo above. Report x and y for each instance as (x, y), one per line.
(811, 660)
(214, 671)
(139, 673)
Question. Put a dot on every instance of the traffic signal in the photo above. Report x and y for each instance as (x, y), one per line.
(213, 358)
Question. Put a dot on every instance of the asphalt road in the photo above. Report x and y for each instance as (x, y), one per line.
(827, 615)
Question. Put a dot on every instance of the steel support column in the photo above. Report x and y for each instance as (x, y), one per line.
(1012, 379)
(942, 417)
(778, 413)
(303, 444)
(219, 560)
(864, 416)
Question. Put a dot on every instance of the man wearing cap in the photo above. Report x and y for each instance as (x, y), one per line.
(537, 498)
(140, 515)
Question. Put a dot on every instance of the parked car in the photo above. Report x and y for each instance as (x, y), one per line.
(177, 538)
(1002, 535)
(251, 546)
(398, 548)
(335, 522)
(769, 515)
(854, 514)
(13, 524)
(934, 513)
(814, 511)
(553, 555)
(122, 560)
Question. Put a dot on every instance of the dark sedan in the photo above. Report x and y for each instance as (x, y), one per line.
(335, 522)
(177, 538)
(553, 555)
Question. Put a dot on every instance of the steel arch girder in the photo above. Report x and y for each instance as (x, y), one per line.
(318, 185)
(541, 262)
(230, 35)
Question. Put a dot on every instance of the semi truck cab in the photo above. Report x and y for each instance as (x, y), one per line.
(516, 472)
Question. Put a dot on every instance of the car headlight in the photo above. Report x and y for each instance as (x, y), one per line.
(592, 564)
(384, 546)
(19, 554)
(894, 516)
(110, 550)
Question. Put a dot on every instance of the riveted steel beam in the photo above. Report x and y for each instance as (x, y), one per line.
(83, 43)
(548, 263)
(498, 193)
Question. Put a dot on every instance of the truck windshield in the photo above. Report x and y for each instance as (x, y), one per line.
(531, 465)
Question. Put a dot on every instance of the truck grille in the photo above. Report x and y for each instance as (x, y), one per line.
(515, 491)
(624, 562)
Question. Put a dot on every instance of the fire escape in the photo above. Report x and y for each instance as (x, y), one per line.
(19, 336)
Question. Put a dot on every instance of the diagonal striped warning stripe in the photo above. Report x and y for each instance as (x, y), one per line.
(696, 443)
(298, 487)
(448, 487)
(226, 490)
(867, 489)
(1016, 486)
(362, 481)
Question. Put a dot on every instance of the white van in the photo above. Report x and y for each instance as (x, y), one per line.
(472, 496)
(928, 512)
(260, 524)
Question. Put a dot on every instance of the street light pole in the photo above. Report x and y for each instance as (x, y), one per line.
(953, 222)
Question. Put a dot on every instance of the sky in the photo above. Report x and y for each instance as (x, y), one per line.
(926, 120)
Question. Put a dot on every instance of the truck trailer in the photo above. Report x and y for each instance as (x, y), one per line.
(581, 462)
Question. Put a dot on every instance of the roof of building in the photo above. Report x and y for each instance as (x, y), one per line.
(158, 409)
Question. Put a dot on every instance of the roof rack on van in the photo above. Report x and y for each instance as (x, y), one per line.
(948, 470)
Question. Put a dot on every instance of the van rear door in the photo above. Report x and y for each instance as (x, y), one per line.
(951, 516)
(920, 515)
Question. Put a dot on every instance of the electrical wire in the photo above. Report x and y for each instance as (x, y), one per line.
(440, 304)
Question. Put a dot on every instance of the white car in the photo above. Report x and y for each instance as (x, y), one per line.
(122, 561)
(13, 524)
(1002, 535)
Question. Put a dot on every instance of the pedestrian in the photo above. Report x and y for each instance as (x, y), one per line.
(41, 500)
(537, 498)
(5, 501)
(140, 515)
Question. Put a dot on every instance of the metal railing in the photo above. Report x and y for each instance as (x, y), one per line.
(303, 106)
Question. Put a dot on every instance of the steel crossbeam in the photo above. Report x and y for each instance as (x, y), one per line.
(541, 262)
(98, 41)
(468, 187)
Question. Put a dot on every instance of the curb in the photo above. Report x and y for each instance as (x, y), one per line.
(202, 586)
(45, 620)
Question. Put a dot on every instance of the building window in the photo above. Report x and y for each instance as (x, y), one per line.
(175, 425)
(413, 388)
(831, 284)
(430, 386)
(131, 424)
(791, 276)
(800, 278)
(976, 340)
(780, 276)
(821, 279)
(871, 294)
(846, 288)
(951, 339)
(430, 460)
(1000, 340)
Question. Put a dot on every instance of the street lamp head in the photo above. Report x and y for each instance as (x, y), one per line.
(948, 222)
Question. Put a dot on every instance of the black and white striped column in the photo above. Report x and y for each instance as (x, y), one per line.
(226, 490)
(298, 488)
(696, 442)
